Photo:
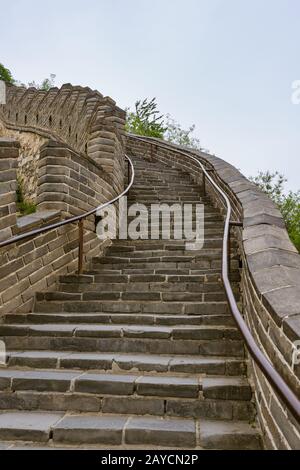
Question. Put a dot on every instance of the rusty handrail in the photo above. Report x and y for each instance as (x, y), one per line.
(78, 218)
(283, 390)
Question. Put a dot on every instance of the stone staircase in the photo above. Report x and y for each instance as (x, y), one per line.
(140, 351)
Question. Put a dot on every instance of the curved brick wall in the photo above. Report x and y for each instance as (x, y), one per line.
(67, 147)
(270, 281)
(79, 117)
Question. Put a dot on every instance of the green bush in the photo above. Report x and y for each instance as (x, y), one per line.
(289, 204)
(145, 120)
(5, 74)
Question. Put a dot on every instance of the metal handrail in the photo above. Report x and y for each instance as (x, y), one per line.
(78, 218)
(283, 390)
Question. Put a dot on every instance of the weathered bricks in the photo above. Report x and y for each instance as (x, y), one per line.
(9, 152)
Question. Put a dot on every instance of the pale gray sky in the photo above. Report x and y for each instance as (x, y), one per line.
(225, 65)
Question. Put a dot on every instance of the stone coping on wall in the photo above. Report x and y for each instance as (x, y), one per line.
(272, 259)
(35, 220)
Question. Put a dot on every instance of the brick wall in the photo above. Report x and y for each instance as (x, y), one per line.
(27, 162)
(9, 152)
(79, 117)
(71, 160)
(68, 184)
(270, 281)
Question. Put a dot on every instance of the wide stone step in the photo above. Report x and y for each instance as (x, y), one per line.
(214, 241)
(101, 384)
(209, 273)
(101, 270)
(57, 340)
(178, 332)
(134, 295)
(118, 430)
(160, 395)
(131, 286)
(179, 364)
(173, 308)
(165, 199)
(204, 263)
(112, 278)
(162, 254)
(102, 318)
(127, 404)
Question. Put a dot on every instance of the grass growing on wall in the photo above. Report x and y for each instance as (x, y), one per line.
(24, 207)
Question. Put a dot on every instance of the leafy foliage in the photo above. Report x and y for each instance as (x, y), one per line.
(271, 184)
(146, 119)
(46, 84)
(177, 135)
(5, 74)
(289, 204)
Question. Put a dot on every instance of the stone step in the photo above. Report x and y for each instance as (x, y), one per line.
(102, 384)
(205, 261)
(204, 265)
(117, 430)
(178, 332)
(173, 308)
(96, 361)
(101, 270)
(229, 436)
(133, 286)
(99, 318)
(209, 273)
(112, 278)
(193, 198)
(181, 247)
(127, 405)
(144, 212)
(60, 339)
(131, 295)
(183, 255)
(159, 395)
(150, 245)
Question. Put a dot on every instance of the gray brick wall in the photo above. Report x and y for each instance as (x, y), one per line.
(9, 152)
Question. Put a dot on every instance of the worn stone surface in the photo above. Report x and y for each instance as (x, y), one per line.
(161, 432)
(106, 384)
(168, 386)
(228, 436)
(226, 388)
(89, 429)
(27, 426)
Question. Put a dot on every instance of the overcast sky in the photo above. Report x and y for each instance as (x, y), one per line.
(225, 65)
